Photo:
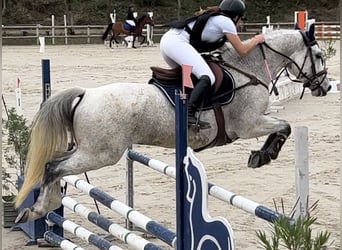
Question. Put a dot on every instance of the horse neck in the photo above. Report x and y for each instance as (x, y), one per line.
(284, 41)
(141, 23)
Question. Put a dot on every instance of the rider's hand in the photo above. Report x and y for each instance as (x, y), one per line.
(259, 38)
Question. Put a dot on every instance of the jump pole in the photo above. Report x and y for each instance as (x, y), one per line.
(18, 103)
(83, 233)
(61, 242)
(149, 31)
(140, 220)
(302, 171)
(126, 236)
(46, 81)
(218, 192)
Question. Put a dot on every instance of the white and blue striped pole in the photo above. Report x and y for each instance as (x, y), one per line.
(218, 192)
(81, 232)
(61, 242)
(128, 237)
(129, 213)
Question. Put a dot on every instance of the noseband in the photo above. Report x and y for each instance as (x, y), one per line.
(311, 81)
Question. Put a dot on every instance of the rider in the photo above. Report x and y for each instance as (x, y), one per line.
(206, 31)
(130, 19)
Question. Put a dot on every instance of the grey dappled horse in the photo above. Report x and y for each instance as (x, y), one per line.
(104, 121)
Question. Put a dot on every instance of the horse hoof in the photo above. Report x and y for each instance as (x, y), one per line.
(23, 216)
(258, 159)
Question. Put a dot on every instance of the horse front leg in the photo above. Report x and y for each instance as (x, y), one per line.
(133, 46)
(271, 148)
(143, 41)
(110, 42)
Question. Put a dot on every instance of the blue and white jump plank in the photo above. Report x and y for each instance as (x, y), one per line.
(81, 232)
(133, 240)
(59, 241)
(129, 213)
(213, 190)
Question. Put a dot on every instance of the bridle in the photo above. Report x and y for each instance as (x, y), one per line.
(311, 81)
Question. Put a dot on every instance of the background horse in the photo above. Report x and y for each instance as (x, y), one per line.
(102, 122)
(117, 28)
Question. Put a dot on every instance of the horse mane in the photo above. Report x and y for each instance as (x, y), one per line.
(142, 18)
(274, 38)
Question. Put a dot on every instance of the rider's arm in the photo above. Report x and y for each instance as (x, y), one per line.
(242, 48)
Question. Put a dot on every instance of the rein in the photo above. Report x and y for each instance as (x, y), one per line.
(253, 80)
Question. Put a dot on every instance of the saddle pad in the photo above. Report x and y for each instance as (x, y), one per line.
(126, 26)
(224, 95)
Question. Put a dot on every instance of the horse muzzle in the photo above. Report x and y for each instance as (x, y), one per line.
(321, 89)
(318, 84)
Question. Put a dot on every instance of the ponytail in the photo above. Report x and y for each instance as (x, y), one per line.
(209, 9)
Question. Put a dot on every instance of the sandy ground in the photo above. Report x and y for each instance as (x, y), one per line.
(95, 65)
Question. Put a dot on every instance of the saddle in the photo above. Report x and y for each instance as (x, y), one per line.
(222, 93)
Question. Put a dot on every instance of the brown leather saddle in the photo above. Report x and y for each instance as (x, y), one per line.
(167, 80)
(176, 74)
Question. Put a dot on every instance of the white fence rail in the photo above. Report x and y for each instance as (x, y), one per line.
(63, 34)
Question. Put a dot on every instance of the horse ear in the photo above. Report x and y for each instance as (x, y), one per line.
(296, 26)
(311, 32)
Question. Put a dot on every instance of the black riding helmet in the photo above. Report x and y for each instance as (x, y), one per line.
(233, 8)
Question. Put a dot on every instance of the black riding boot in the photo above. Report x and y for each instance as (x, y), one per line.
(197, 96)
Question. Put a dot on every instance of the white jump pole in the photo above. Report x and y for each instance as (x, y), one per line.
(149, 31)
(18, 101)
(302, 171)
(42, 44)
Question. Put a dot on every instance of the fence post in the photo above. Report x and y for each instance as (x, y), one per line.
(181, 139)
(65, 30)
(37, 33)
(46, 79)
(129, 187)
(53, 29)
(88, 34)
(302, 171)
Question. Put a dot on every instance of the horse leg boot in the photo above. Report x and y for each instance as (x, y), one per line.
(270, 149)
(197, 96)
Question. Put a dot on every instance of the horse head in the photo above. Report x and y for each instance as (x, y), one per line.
(308, 64)
(146, 19)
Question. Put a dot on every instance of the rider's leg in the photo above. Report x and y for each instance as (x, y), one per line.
(176, 50)
(198, 95)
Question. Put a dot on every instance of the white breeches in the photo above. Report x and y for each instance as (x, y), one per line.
(177, 50)
(130, 22)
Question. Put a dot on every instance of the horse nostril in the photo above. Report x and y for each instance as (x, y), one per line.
(329, 88)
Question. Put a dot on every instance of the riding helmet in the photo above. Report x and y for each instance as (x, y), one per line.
(233, 7)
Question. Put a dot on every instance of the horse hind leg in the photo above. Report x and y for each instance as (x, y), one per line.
(270, 150)
(143, 40)
(72, 163)
(50, 192)
(50, 195)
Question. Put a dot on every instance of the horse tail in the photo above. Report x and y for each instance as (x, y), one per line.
(48, 137)
(109, 28)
